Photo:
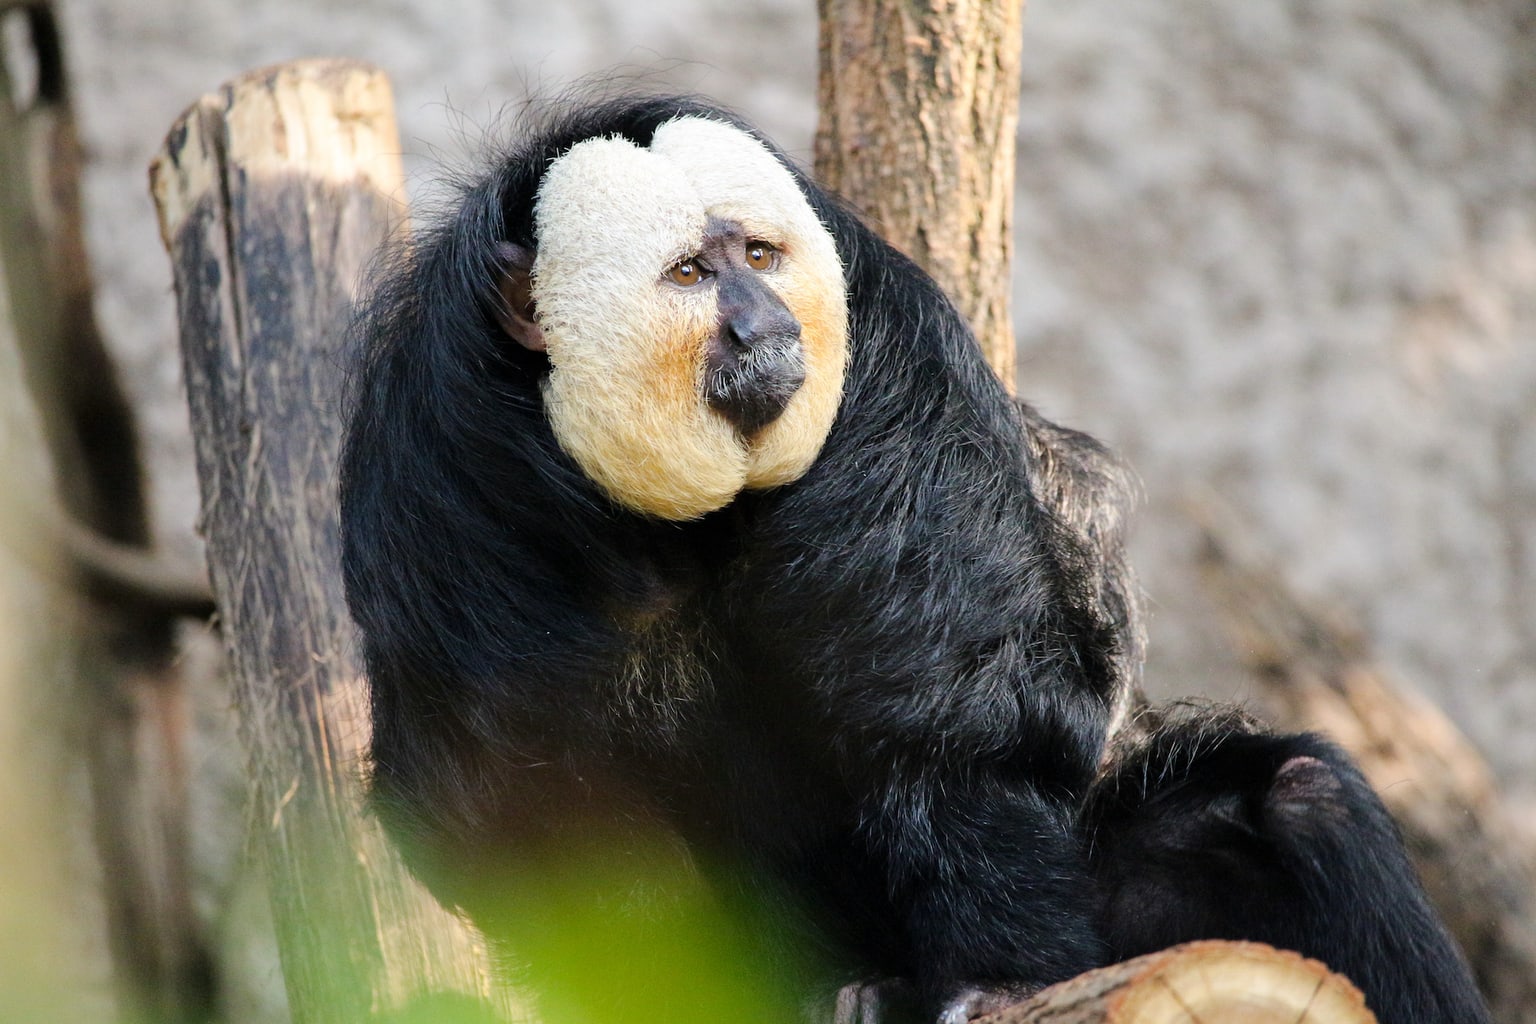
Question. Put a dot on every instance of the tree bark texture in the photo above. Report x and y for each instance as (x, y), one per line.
(127, 711)
(1315, 672)
(919, 105)
(273, 194)
(41, 941)
(1198, 982)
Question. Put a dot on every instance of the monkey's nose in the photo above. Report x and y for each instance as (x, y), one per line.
(748, 327)
(752, 373)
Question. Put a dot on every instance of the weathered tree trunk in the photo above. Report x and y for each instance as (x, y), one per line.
(273, 194)
(128, 709)
(1200, 981)
(40, 940)
(919, 107)
(1316, 673)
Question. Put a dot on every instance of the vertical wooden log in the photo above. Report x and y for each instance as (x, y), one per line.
(127, 710)
(273, 193)
(87, 421)
(40, 941)
(919, 108)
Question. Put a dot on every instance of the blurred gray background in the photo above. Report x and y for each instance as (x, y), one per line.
(1283, 251)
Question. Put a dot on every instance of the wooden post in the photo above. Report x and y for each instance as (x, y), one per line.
(919, 108)
(40, 968)
(273, 194)
(126, 710)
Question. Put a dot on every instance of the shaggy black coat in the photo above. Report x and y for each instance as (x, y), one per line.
(884, 688)
(1211, 828)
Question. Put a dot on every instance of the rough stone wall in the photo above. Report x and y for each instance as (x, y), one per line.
(1284, 250)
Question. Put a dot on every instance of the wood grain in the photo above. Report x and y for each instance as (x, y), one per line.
(919, 105)
(273, 194)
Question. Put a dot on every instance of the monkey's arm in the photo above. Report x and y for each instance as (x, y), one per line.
(1213, 828)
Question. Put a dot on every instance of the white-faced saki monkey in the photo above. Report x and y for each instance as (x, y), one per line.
(674, 498)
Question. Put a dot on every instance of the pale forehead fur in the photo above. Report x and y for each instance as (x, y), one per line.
(607, 207)
(737, 178)
(608, 189)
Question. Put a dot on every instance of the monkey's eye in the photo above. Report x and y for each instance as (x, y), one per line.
(761, 255)
(688, 273)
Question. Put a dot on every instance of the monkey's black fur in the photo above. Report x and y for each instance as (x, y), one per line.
(1213, 828)
(883, 689)
(885, 686)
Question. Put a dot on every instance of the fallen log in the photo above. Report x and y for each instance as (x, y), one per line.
(1195, 983)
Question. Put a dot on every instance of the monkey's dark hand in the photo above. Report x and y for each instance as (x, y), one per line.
(980, 1001)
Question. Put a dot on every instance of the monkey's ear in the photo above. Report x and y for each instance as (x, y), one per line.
(514, 287)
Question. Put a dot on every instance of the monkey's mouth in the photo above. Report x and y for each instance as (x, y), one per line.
(751, 385)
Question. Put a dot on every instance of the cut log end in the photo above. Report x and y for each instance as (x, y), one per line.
(1199, 983)
(332, 117)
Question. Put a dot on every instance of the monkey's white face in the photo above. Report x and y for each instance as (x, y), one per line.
(627, 346)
